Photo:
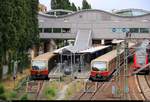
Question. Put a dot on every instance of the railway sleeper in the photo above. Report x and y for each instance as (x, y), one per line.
(88, 88)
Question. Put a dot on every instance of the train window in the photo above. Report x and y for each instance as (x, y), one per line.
(99, 66)
(39, 65)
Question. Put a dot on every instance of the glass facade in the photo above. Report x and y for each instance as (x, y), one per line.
(144, 30)
(47, 30)
(54, 30)
(132, 30)
(131, 12)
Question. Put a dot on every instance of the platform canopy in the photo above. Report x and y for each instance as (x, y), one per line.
(60, 49)
(93, 49)
(115, 41)
(88, 50)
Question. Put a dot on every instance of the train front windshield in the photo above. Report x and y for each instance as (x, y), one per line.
(39, 65)
(141, 56)
(99, 66)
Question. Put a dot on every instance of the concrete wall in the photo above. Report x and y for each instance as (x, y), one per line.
(100, 22)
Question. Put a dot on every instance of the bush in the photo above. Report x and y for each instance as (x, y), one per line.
(51, 92)
(2, 97)
(13, 94)
(1, 89)
(24, 97)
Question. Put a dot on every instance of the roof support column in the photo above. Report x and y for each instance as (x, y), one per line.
(41, 48)
(103, 42)
(52, 45)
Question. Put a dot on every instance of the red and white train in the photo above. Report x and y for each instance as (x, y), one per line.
(42, 65)
(103, 67)
(141, 56)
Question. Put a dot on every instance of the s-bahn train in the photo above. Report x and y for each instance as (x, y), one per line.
(42, 65)
(141, 56)
(103, 67)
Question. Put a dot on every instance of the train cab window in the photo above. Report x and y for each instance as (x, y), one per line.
(39, 65)
(99, 66)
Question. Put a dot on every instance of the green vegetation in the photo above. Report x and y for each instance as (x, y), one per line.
(11, 95)
(18, 32)
(21, 83)
(73, 88)
(2, 92)
(85, 5)
(1, 89)
(66, 5)
(24, 97)
(51, 91)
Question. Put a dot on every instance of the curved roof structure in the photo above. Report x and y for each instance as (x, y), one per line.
(102, 24)
(59, 12)
(121, 13)
(131, 12)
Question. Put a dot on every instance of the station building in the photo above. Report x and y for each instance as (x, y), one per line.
(97, 26)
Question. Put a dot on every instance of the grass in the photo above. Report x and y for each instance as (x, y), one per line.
(50, 93)
(73, 88)
(7, 95)
(11, 95)
(51, 90)
(24, 97)
(8, 85)
(2, 90)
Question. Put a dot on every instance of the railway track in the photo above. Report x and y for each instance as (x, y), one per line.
(134, 88)
(144, 84)
(90, 95)
(34, 87)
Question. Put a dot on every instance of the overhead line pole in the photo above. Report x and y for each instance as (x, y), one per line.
(126, 88)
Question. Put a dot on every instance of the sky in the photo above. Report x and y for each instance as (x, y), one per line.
(109, 5)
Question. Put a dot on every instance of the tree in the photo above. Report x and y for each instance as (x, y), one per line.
(7, 31)
(18, 30)
(85, 5)
(53, 4)
(79, 8)
(66, 5)
(57, 4)
(73, 7)
(63, 4)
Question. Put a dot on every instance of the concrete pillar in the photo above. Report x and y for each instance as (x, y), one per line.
(52, 45)
(103, 42)
(41, 48)
(32, 53)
